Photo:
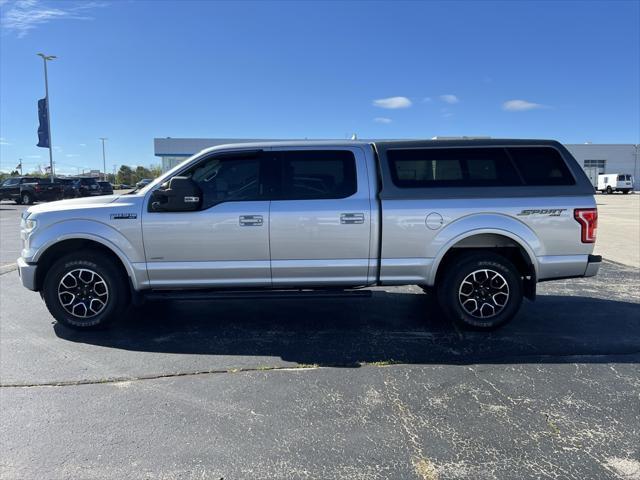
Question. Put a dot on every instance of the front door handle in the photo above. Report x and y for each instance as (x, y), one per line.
(251, 220)
(351, 218)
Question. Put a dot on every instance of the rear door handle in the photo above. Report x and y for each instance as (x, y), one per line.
(251, 220)
(351, 218)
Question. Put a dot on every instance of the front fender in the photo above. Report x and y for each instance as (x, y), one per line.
(471, 225)
(129, 251)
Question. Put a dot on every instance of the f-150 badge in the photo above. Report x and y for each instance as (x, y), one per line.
(124, 216)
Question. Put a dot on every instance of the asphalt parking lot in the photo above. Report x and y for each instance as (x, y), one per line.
(347, 388)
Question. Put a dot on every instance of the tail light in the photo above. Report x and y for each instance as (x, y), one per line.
(588, 220)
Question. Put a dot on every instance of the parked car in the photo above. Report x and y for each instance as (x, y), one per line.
(69, 187)
(87, 186)
(144, 182)
(477, 222)
(123, 186)
(105, 188)
(615, 182)
(28, 190)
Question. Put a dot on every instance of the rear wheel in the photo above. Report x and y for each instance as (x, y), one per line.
(609, 190)
(85, 290)
(26, 198)
(625, 191)
(481, 291)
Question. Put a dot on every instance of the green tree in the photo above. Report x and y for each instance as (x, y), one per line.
(125, 175)
(131, 176)
(142, 172)
(155, 170)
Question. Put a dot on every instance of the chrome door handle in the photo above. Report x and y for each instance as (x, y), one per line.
(251, 220)
(351, 218)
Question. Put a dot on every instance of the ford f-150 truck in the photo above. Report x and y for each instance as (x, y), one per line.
(478, 222)
(26, 190)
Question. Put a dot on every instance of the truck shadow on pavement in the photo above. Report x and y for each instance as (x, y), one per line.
(389, 327)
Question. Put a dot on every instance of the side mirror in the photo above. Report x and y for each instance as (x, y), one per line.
(181, 195)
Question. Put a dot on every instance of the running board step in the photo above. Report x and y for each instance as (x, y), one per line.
(252, 294)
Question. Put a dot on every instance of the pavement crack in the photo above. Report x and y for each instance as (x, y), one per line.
(11, 267)
(116, 380)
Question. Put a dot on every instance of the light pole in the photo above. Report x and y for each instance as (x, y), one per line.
(46, 58)
(104, 160)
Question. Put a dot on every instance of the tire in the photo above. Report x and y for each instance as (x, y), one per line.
(609, 190)
(625, 192)
(18, 201)
(26, 198)
(465, 285)
(102, 287)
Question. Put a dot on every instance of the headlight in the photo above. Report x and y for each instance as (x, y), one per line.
(28, 224)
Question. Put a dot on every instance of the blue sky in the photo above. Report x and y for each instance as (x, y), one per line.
(135, 70)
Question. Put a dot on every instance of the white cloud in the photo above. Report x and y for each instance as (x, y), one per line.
(382, 120)
(71, 155)
(449, 98)
(22, 16)
(392, 102)
(3, 141)
(82, 144)
(520, 105)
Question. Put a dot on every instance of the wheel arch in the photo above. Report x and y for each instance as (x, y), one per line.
(83, 242)
(520, 251)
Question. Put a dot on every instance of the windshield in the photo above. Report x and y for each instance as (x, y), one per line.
(164, 177)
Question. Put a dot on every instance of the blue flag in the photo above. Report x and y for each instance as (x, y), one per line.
(43, 128)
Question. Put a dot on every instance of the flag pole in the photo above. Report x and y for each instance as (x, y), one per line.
(46, 58)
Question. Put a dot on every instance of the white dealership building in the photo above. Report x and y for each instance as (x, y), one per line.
(593, 157)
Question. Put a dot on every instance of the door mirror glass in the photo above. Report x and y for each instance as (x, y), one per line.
(180, 194)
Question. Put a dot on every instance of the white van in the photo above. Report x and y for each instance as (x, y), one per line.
(615, 182)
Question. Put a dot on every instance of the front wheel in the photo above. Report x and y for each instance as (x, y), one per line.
(481, 291)
(609, 190)
(85, 290)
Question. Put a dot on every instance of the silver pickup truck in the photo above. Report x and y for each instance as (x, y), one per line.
(479, 223)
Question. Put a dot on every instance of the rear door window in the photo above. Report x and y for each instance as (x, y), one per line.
(451, 167)
(316, 174)
(541, 166)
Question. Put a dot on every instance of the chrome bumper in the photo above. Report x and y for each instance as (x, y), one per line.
(593, 265)
(27, 273)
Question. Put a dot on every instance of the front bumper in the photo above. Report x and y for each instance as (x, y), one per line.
(593, 265)
(27, 273)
